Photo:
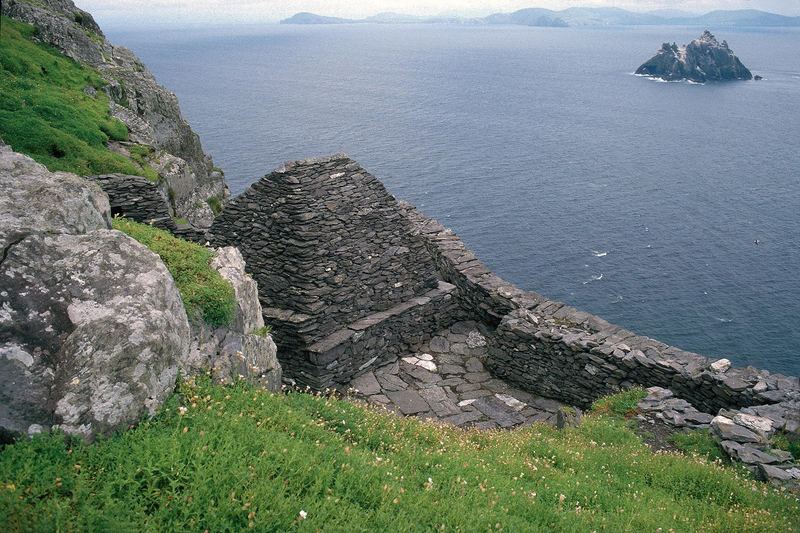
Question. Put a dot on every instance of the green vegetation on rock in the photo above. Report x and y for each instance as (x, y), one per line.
(622, 404)
(262, 331)
(781, 441)
(215, 204)
(206, 294)
(232, 458)
(699, 442)
(54, 109)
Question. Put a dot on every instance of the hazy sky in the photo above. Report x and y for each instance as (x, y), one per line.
(140, 11)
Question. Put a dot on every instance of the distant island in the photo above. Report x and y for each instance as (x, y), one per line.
(576, 17)
(704, 59)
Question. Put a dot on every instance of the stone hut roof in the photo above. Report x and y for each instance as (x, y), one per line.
(327, 245)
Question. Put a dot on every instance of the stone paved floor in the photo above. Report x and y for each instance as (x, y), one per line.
(446, 380)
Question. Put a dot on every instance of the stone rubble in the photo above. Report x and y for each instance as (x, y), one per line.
(744, 436)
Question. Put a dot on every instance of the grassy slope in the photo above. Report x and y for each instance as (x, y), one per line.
(45, 113)
(206, 294)
(242, 457)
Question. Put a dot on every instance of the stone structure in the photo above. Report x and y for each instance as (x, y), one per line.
(342, 279)
(548, 348)
(142, 200)
(445, 379)
(138, 199)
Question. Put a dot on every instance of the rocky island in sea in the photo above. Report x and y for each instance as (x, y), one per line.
(704, 59)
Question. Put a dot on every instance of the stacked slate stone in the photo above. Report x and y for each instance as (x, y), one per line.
(342, 279)
(136, 198)
(551, 349)
(139, 199)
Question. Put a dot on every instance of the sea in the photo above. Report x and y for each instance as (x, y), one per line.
(671, 209)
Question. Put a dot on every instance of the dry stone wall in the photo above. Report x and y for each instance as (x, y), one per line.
(141, 200)
(552, 349)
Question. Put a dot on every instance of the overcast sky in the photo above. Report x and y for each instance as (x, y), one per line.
(140, 11)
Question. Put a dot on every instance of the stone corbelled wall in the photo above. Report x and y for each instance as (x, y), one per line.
(136, 198)
(141, 200)
(552, 349)
(326, 243)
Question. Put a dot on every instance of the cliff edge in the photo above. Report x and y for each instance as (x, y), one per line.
(158, 135)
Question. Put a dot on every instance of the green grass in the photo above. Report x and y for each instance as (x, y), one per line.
(699, 442)
(622, 404)
(206, 294)
(781, 441)
(215, 204)
(263, 331)
(45, 113)
(232, 458)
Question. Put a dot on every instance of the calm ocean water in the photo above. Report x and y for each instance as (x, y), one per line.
(636, 200)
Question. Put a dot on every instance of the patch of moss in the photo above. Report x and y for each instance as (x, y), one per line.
(206, 295)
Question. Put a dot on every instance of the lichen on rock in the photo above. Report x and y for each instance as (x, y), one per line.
(92, 326)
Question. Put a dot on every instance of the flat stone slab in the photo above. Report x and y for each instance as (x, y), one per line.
(498, 411)
(366, 384)
(408, 401)
(446, 380)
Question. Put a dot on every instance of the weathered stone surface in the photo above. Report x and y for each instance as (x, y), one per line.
(91, 332)
(720, 365)
(33, 199)
(787, 477)
(568, 417)
(232, 355)
(228, 261)
(498, 411)
(727, 429)
(759, 425)
(366, 384)
(242, 350)
(408, 401)
(92, 327)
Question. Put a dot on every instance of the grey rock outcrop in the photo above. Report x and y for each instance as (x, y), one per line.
(704, 59)
(151, 112)
(34, 199)
(92, 326)
(244, 350)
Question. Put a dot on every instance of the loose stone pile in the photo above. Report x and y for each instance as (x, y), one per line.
(743, 435)
(446, 380)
